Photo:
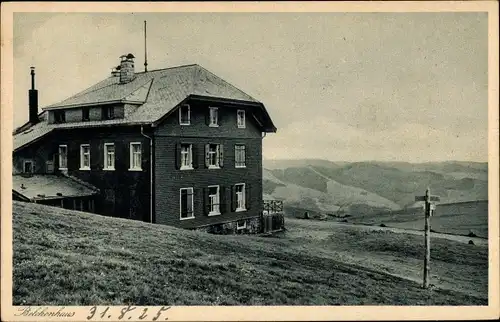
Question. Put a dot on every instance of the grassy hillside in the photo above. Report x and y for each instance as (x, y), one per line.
(90, 259)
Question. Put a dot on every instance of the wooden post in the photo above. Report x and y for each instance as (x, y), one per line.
(427, 259)
(427, 232)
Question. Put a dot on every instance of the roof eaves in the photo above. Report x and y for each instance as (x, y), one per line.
(32, 141)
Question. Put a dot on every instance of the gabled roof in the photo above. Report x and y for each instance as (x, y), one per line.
(156, 93)
(37, 187)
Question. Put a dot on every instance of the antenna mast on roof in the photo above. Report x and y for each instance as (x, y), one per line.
(145, 49)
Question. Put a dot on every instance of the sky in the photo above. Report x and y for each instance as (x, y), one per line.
(339, 86)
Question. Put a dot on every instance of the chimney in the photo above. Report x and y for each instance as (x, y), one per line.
(33, 100)
(127, 68)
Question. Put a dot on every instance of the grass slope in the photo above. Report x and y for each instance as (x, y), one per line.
(64, 257)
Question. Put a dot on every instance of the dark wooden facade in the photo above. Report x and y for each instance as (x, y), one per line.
(127, 194)
(169, 180)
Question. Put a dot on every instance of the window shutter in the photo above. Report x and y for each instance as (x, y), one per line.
(194, 152)
(222, 199)
(234, 200)
(248, 197)
(207, 117)
(206, 203)
(177, 156)
(183, 204)
(207, 155)
(221, 155)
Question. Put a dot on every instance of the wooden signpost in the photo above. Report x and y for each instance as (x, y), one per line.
(429, 208)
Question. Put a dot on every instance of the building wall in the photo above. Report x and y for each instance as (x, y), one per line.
(124, 193)
(169, 180)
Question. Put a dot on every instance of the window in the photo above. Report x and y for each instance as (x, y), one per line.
(214, 155)
(213, 201)
(85, 114)
(240, 197)
(185, 115)
(241, 224)
(109, 156)
(241, 119)
(84, 157)
(135, 156)
(186, 156)
(186, 203)
(28, 166)
(108, 112)
(239, 154)
(214, 117)
(63, 157)
(59, 116)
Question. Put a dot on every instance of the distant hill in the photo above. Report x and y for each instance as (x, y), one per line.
(284, 164)
(325, 186)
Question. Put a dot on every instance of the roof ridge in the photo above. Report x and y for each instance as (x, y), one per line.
(161, 69)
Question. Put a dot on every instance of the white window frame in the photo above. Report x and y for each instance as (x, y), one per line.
(32, 166)
(241, 125)
(131, 156)
(238, 227)
(65, 157)
(216, 200)
(106, 157)
(242, 194)
(189, 153)
(180, 203)
(237, 149)
(189, 114)
(82, 167)
(213, 111)
(217, 156)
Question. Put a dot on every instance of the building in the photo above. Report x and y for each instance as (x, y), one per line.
(176, 146)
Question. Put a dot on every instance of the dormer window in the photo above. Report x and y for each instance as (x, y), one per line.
(59, 116)
(240, 116)
(214, 117)
(108, 112)
(185, 115)
(85, 114)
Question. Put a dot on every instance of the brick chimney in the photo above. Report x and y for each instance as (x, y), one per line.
(33, 100)
(127, 72)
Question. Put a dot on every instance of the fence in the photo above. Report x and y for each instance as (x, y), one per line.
(273, 206)
(272, 218)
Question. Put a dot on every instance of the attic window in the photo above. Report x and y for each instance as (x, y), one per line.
(108, 112)
(85, 114)
(59, 116)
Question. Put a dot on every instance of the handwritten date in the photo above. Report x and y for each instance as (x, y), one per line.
(128, 313)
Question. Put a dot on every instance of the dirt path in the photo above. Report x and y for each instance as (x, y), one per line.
(457, 238)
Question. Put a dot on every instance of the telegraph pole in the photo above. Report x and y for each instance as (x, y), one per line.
(429, 208)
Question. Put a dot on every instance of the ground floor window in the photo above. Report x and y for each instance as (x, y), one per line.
(186, 203)
(240, 197)
(214, 200)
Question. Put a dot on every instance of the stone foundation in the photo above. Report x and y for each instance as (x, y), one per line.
(252, 226)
